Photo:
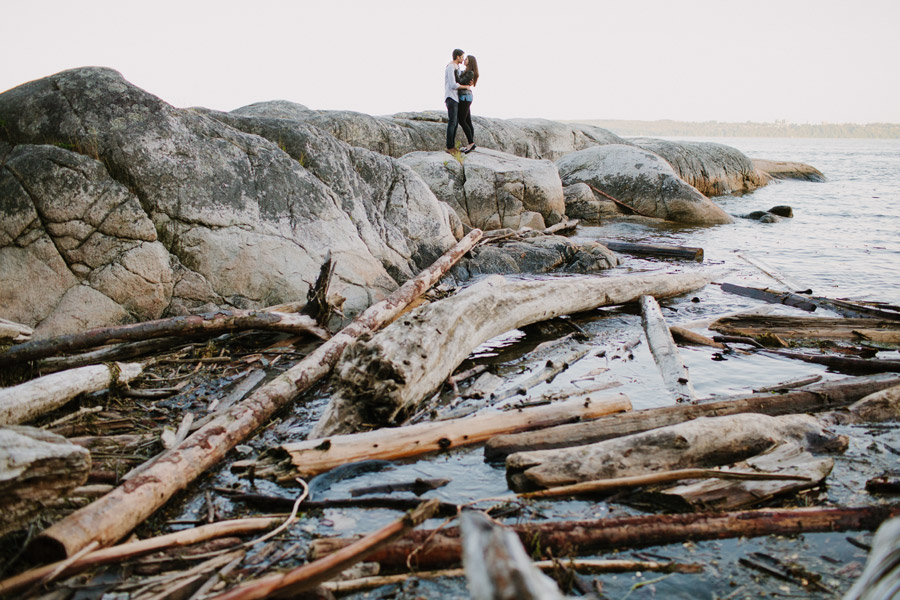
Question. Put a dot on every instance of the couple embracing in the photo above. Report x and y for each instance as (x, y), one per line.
(458, 98)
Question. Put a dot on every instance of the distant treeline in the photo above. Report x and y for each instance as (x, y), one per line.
(777, 129)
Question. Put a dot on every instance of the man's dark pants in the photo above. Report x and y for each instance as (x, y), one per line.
(452, 121)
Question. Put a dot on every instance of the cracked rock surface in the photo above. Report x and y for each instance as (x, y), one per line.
(116, 207)
(492, 190)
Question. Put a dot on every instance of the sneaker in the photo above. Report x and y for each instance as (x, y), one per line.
(451, 151)
(469, 148)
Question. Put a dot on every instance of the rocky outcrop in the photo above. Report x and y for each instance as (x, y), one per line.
(492, 190)
(641, 179)
(585, 205)
(403, 133)
(714, 169)
(117, 207)
(779, 169)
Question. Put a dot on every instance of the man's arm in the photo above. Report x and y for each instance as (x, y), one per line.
(449, 79)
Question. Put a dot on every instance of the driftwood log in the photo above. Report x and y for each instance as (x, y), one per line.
(658, 250)
(384, 378)
(771, 296)
(114, 515)
(319, 455)
(809, 328)
(880, 579)
(23, 402)
(686, 336)
(843, 364)
(497, 566)
(815, 398)
(665, 353)
(211, 323)
(874, 408)
(36, 466)
(437, 548)
(729, 494)
(15, 332)
(703, 442)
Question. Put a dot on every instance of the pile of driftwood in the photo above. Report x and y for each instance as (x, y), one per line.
(398, 392)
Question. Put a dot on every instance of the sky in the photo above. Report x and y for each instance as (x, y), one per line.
(691, 60)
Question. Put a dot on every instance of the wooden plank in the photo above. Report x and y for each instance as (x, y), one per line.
(770, 296)
(665, 353)
(659, 250)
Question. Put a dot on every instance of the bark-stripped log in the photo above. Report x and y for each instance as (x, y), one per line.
(113, 516)
(815, 398)
(703, 442)
(317, 455)
(383, 379)
(10, 330)
(211, 323)
(686, 336)
(809, 328)
(880, 580)
(435, 549)
(665, 353)
(874, 408)
(658, 250)
(497, 566)
(31, 399)
(35, 466)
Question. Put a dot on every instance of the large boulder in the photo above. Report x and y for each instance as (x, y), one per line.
(714, 169)
(492, 190)
(115, 206)
(403, 133)
(642, 180)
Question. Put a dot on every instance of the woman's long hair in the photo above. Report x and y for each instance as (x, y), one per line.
(472, 65)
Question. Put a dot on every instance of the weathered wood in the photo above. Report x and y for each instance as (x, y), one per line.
(816, 398)
(433, 548)
(687, 336)
(809, 328)
(599, 486)
(36, 466)
(874, 408)
(312, 574)
(210, 323)
(31, 399)
(113, 516)
(320, 455)
(665, 353)
(880, 579)
(789, 385)
(659, 250)
(703, 442)
(771, 296)
(842, 364)
(115, 352)
(496, 565)
(855, 309)
(122, 552)
(384, 378)
(788, 459)
(16, 332)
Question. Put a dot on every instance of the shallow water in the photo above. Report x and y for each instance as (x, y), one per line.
(842, 242)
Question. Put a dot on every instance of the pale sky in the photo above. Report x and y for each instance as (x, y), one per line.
(693, 60)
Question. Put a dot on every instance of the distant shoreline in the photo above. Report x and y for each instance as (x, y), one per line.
(748, 129)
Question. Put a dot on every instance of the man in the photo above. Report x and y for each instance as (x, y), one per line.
(451, 98)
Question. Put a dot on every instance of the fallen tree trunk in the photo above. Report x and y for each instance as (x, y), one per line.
(211, 323)
(687, 336)
(703, 442)
(436, 548)
(840, 363)
(665, 353)
(497, 567)
(31, 399)
(36, 466)
(317, 456)
(115, 352)
(880, 579)
(659, 250)
(809, 328)
(771, 296)
(113, 516)
(815, 398)
(383, 379)
(874, 408)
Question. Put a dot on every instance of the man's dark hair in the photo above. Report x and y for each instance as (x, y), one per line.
(457, 53)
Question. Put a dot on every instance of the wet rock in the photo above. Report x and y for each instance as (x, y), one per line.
(642, 180)
(779, 169)
(582, 203)
(775, 214)
(712, 168)
(543, 254)
(118, 207)
(491, 190)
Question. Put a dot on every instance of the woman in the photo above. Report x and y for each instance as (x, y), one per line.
(469, 78)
